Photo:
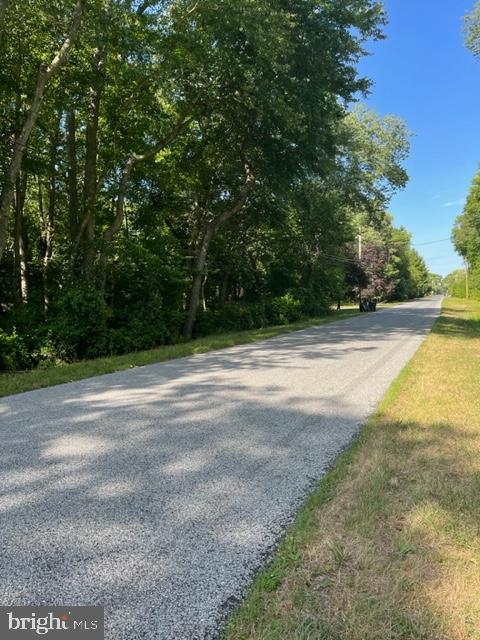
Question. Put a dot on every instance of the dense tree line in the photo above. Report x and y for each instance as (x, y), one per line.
(177, 167)
(466, 238)
(466, 231)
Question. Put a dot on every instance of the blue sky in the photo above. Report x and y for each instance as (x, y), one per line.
(424, 73)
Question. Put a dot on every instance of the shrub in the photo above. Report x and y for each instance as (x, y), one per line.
(13, 352)
(475, 283)
(239, 316)
(79, 323)
(285, 309)
(143, 326)
(146, 296)
(234, 316)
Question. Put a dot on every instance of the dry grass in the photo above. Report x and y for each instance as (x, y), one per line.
(389, 546)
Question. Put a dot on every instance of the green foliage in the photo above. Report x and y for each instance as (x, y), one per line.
(139, 328)
(82, 324)
(466, 238)
(455, 284)
(437, 283)
(466, 232)
(79, 324)
(239, 316)
(13, 352)
(145, 298)
(191, 155)
(389, 269)
(284, 310)
(472, 30)
(377, 148)
(474, 283)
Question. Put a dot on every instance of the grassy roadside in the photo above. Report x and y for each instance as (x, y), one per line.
(38, 378)
(388, 547)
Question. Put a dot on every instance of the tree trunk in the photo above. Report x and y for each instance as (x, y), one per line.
(90, 183)
(41, 208)
(19, 245)
(202, 253)
(50, 217)
(91, 153)
(202, 292)
(198, 276)
(71, 144)
(44, 76)
(224, 288)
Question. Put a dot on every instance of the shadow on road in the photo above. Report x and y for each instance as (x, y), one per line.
(121, 490)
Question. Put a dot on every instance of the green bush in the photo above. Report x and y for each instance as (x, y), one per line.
(284, 309)
(456, 283)
(243, 316)
(23, 335)
(78, 328)
(475, 283)
(144, 325)
(146, 297)
(240, 316)
(13, 352)
(235, 316)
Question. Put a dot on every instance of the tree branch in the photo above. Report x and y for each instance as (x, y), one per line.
(134, 159)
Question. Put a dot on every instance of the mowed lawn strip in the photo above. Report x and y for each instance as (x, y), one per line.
(388, 547)
(11, 383)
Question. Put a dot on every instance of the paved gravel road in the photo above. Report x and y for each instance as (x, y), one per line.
(157, 492)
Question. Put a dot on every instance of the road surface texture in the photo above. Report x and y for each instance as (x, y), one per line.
(159, 491)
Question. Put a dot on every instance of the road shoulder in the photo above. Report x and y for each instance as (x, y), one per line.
(388, 546)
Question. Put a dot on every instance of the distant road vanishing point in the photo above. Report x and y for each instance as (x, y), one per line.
(157, 492)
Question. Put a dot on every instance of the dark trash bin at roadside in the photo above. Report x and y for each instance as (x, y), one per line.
(367, 305)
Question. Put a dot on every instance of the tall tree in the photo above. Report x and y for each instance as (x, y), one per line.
(191, 159)
(44, 77)
(466, 231)
(277, 108)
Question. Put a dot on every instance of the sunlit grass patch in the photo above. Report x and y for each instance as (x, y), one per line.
(390, 542)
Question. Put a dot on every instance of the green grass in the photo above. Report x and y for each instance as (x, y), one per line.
(388, 546)
(11, 383)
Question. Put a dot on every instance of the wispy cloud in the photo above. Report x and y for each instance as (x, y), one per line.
(455, 203)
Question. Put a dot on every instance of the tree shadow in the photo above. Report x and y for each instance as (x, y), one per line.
(158, 492)
(431, 498)
(451, 324)
(404, 516)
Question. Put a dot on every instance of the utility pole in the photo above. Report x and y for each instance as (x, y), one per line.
(360, 261)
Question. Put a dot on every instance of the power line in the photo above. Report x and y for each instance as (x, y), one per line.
(417, 244)
(422, 244)
(344, 259)
(338, 258)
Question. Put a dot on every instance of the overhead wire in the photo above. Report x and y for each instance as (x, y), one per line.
(344, 259)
